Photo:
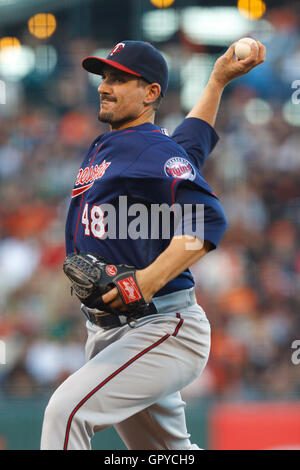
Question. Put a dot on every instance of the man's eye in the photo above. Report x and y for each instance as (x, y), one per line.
(113, 79)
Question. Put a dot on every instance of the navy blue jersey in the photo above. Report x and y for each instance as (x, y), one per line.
(127, 173)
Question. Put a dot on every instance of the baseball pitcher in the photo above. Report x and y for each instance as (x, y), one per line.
(147, 336)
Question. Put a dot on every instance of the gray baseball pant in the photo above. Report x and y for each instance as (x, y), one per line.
(132, 381)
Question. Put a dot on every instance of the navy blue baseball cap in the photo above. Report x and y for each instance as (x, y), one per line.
(135, 57)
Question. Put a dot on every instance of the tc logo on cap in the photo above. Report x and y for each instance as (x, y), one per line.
(117, 48)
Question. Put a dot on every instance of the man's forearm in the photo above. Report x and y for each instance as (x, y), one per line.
(181, 253)
(208, 104)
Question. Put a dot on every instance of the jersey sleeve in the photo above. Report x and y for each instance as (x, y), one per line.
(203, 217)
(159, 170)
(165, 174)
(197, 137)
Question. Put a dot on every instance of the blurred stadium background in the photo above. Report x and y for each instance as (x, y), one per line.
(249, 394)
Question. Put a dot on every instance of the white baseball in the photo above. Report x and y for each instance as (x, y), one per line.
(243, 47)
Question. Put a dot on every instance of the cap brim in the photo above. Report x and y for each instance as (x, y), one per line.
(95, 65)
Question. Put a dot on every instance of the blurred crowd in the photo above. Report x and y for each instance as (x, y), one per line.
(249, 287)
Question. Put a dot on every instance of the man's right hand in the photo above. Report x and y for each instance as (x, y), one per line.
(228, 67)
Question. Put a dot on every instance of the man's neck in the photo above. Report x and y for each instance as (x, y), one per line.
(135, 122)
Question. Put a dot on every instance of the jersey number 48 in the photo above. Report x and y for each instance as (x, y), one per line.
(93, 222)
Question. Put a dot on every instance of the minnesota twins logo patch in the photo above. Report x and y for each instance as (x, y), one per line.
(179, 167)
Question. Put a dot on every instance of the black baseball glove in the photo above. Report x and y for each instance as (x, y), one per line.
(91, 277)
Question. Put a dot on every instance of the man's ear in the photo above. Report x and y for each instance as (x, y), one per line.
(152, 93)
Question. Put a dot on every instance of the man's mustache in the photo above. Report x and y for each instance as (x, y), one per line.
(107, 98)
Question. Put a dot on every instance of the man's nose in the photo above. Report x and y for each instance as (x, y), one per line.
(104, 87)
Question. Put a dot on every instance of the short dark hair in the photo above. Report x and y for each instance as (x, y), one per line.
(156, 104)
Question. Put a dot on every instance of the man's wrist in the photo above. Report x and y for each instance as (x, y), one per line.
(216, 83)
(153, 279)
